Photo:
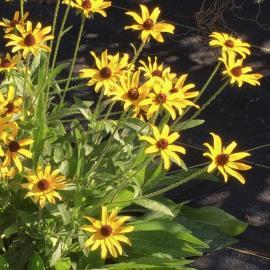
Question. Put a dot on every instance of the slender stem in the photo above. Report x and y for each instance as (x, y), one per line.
(137, 54)
(54, 25)
(258, 147)
(205, 104)
(74, 58)
(24, 84)
(100, 98)
(60, 36)
(22, 7)
(73, 79)
(201, 92)
(108, 113)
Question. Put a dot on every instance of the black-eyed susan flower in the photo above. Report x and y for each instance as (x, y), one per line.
(42, 185)
(7, 173)
(10, 104)
(15, 151)
(108, 233)
(225, 160)
(162, 143)
(152, 70)
(29, 39)
(163, 96)
(109, 68)
(10, 25)
(131, 92)
(7, 126)
(237, 72)
(89, 7)
(148, 25)
(9, 62)
(229, 44)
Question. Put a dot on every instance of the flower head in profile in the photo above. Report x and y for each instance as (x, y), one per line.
(7, 173)
(89, 7)
(29, 39)
(16, 151)
(225, 160)
(154, 71)
(108, 233)
(148, 24)
(9, 62)
(237, 72)
(107, 71)
(162, 143)
(42, 185)
(10, 104)
(10, 25)
(229, 44)
(131, 92)
(7, 126)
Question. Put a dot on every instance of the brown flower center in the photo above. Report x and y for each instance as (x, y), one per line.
(43, 184)
(105, 72)
(106, 230)
(162, 144)
(229, 43)
(86, 4)
(174, 90)
(157, 73)
(13, 23)
(148, 24)
(10, 107)
(14, 146)
(222, 159)
(161, 98)
(133, 94)
(29, 40)
(237, 71)
(5, 63)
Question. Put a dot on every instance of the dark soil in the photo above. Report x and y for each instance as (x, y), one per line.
(237, 114)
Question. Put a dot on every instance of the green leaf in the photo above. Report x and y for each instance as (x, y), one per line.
(9, 231)
(216, 217)
(64, 213)
(63, 264)
(189, 124)
(155, 206)
(3, 263)
(35, 263)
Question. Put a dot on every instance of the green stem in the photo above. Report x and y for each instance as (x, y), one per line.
(137, 54)
(258, 147)
(60, 36)
(22, 7)
(73, 79)
(201, 92)
(205, 104)
(74, 58)
(24, 84)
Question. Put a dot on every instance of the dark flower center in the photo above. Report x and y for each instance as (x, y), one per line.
(236, 71)
(29, 40)
(5, 63)
(162, 144)
(229, 43)
(105, 72)
(10, 107)
(174, 90)
(13, 23)
(161, 98)
(133, 94)
(43, 184)
(148, 24)
(106, 230)
(222, 159)
(157, 73)
(14, 146)
(86, 4)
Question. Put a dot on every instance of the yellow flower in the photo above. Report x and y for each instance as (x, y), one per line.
(10, 25)
(89, 7)
(15, 151)
(154, 71)
(229, 44)
(161, 143)
(30, 40)
(131, 92)
(237, 72)
(148, 24)
(11, 104)
(163, 96)
(9, 62)
(42, 185)
(6, 173)
(7, 126)
(109, 68)
(107, 233)
(224, 160)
